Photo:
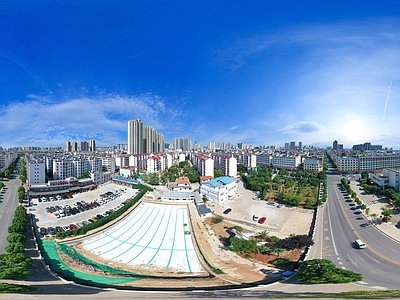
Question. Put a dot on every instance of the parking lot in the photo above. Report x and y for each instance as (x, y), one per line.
(280, 220)
(78, 209)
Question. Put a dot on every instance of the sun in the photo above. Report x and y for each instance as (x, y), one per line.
(355, 131)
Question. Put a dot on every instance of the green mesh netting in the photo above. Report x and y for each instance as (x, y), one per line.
(51, 256)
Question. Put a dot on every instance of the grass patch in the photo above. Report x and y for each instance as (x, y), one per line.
(9, 288)
(215, 270)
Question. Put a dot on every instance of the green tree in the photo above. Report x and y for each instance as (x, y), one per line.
(218, 173)
(325, 271)
(13, 248)
(386, 213)
(278, 251)
(7, 173)
(16, 238)
(263, 234)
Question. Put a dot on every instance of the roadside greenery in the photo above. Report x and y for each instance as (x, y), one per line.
(22, 171)
(21, 194)
(15, 264)
(325, 271)
(11, 288)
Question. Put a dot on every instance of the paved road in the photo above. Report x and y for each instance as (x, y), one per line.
(342, 224)
(8, 203)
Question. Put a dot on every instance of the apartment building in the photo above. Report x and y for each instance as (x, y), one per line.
(287, 162)
(35, 171)
(203, 164)
(6, 159)
(226, 163)
(312, 164)
(247, 160)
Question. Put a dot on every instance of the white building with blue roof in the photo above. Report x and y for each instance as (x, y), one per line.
(219, 189)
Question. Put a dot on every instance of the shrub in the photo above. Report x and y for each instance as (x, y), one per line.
(218, 219)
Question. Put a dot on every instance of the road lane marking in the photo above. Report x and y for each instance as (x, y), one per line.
(358, 237)
(330, 227)
(352, 261)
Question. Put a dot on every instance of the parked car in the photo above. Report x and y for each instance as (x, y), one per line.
(66, 228)
(79, 225)
(43, 231)
(255, 218)
(73, 226)
(262, 220)
(59, 229)
(227, 211)
(51, 230)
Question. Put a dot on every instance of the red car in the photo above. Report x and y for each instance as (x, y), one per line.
(262, 220)
(73, 226)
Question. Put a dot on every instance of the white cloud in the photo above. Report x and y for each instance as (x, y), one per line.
(40, 122)
(339, 76)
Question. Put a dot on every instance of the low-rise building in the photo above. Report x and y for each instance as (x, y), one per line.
(219, 189)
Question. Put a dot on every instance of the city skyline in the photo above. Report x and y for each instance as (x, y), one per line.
(259, 73)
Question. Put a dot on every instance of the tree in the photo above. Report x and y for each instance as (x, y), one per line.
(386, 213)
(263, 234)
(16, 238)
(278, 251)
(325, 271)
(13, 248)
(367, 209)
(218, 173)
(7, 173)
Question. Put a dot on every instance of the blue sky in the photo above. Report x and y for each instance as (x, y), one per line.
(259, 72)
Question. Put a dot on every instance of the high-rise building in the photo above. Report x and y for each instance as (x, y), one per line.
(135, 137)
(287, 148)
(300, 146)
(292, 146)
(143, 139)
(334, 146)
(182, 143)
(84, 146)
(71, 147)
(92, 145)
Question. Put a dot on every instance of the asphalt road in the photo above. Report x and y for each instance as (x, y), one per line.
(379, 263)
(8, 203)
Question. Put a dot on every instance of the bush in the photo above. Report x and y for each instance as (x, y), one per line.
(281, 261)
(218, 219)
(325, 271)
(295, 242)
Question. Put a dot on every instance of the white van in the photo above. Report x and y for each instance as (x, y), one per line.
(255, 218)
(359, 244)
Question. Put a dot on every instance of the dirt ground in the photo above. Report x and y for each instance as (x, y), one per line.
(220, 230)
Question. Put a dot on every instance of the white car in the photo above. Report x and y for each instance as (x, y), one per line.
(56, 214)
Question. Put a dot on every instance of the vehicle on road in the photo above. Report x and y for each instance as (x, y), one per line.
(262, 220)
(359, 244)
(255, 218)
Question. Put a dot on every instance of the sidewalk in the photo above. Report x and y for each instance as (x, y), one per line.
(374, 203)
